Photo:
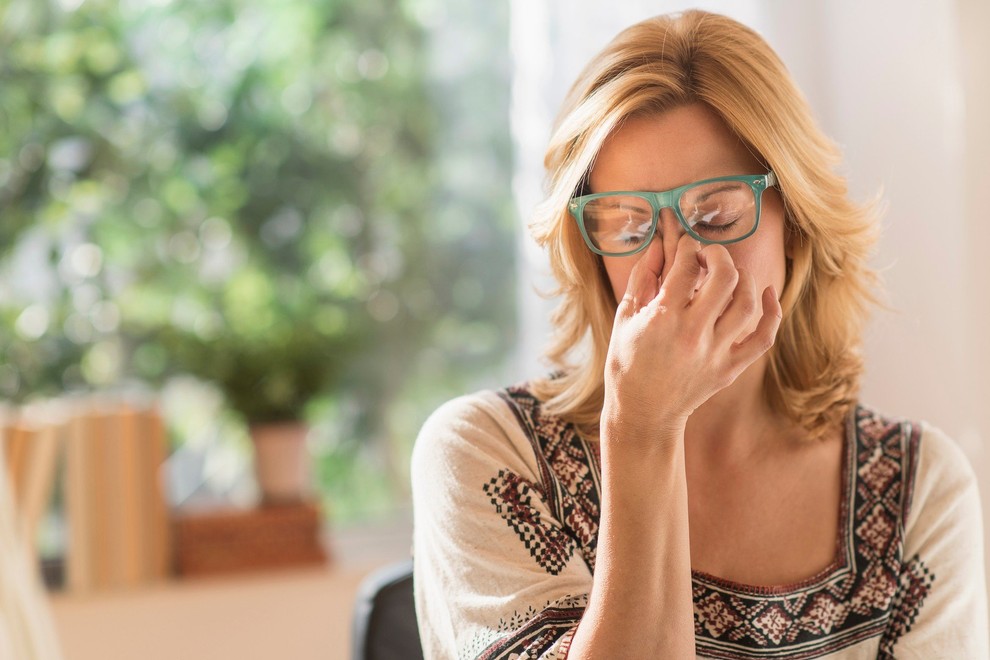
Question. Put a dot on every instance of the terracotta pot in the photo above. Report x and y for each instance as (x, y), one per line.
(281, 461)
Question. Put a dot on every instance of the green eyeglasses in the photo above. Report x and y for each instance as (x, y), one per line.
(722, 210)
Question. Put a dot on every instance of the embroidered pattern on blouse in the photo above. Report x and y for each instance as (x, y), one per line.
(512, 497)
(569, 484)
(544, 633)
(867, 594)
(915, 583)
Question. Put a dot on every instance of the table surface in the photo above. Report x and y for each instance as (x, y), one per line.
(300, 614)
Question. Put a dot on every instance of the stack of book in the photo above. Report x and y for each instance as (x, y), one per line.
(227, 541)
(108, 457)
(116, 509)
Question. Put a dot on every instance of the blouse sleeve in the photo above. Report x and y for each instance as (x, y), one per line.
(496, 574)
(940, 610)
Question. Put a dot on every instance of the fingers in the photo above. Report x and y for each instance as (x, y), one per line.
(740, 309)
(760, 340)
(712, 298)
(644, 279)
(678, 288)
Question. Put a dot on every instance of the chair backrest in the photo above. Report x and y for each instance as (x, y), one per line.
(385, 616)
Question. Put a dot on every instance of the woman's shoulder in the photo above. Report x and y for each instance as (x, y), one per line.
(933, 466)
(944, 475)
(484, 426)
(467, 410)
(513, 405)
(942, 455)
(912, 437)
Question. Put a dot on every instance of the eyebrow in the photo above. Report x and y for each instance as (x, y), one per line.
(727, 185)
(721, 188)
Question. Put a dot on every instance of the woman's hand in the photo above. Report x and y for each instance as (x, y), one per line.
(674, 342)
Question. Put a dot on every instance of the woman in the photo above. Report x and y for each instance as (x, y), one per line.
(697, 478)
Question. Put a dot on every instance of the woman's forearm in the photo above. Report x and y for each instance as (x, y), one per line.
(641, 604)
(679, 336)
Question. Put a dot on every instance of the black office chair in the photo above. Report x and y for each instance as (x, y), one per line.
(385, 616)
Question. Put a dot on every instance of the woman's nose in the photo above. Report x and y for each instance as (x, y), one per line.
(669, 231)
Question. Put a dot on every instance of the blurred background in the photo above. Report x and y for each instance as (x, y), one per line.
(226, 221)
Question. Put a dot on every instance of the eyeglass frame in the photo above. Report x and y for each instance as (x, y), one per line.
(758, 183)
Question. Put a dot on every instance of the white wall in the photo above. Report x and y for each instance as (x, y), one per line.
(974, 35)
(904, 87)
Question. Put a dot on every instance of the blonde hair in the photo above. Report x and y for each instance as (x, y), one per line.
(698, 57)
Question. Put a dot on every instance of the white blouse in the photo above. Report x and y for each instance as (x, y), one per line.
(506, 503)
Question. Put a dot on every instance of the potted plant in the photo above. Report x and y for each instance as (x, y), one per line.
(270, 352)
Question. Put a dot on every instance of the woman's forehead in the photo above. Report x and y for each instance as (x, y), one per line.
(664, 150)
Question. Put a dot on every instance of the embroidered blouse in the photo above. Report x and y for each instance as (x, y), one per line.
(506, 502)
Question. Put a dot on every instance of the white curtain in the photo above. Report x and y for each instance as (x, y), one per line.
(904, 88)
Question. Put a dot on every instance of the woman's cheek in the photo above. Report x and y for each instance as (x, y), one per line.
(618, 270)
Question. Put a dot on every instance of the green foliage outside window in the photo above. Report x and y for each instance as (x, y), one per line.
(304, 202)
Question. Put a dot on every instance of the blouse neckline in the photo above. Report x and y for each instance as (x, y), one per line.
(843, 547)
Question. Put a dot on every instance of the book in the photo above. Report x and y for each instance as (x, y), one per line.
(239, 540)
(38, 478)
(31, 443)
(156, 513)
(79, 572)
(118, 515)
(102, 501)
(128, 440)
(17, 445)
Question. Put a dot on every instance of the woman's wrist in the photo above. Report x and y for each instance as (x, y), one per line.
(644, 430)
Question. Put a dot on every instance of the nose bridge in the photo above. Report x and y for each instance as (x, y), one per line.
(670, 232)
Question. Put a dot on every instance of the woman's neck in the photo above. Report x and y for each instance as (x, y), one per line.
(738, 423)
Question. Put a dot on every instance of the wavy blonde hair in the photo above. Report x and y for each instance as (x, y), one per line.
(698, 57)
